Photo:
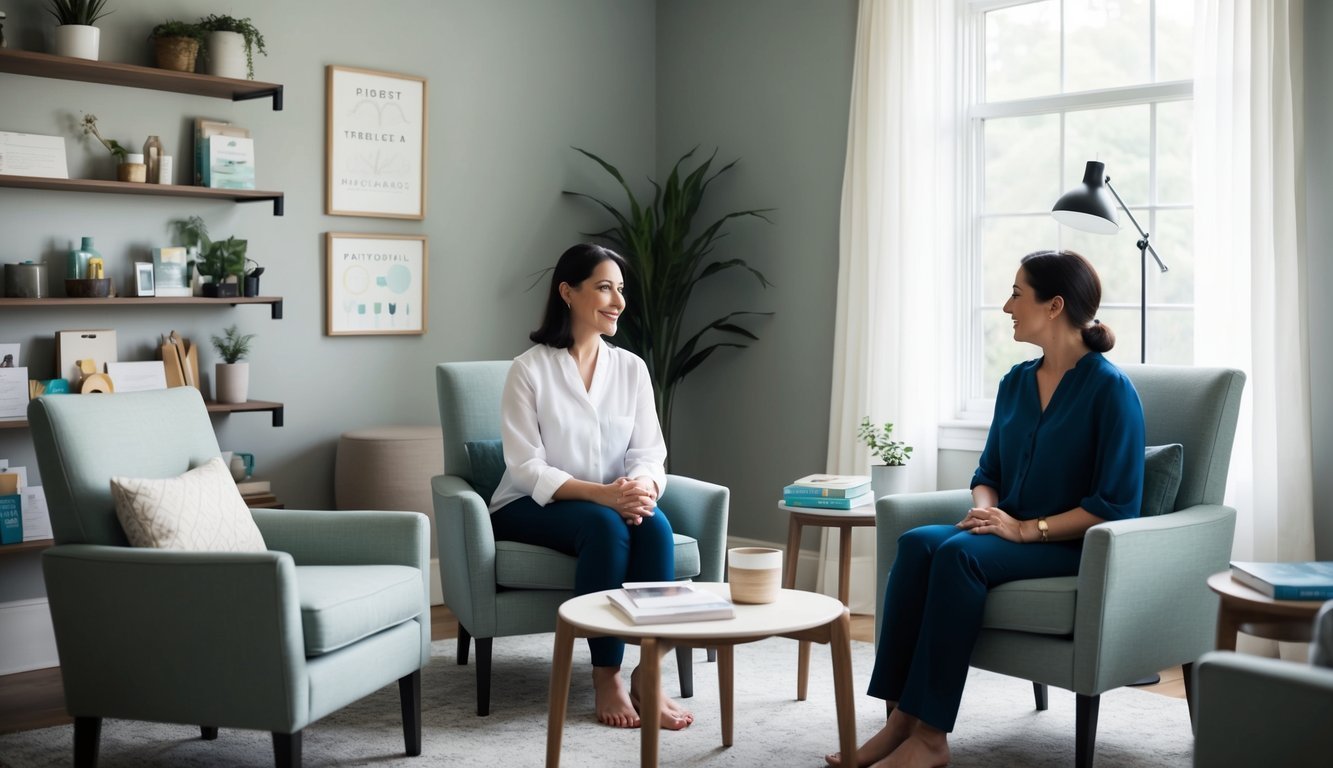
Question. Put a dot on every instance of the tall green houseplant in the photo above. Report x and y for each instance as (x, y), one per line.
(668, 257)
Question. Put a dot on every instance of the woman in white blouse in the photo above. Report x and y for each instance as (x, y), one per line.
(585, 458)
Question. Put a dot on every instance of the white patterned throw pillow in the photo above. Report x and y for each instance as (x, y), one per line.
(201, 510)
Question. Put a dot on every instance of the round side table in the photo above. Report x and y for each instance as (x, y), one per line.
(1242, 609)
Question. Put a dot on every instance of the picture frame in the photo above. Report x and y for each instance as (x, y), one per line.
(375, 143)
(144, 285)
(375, 284)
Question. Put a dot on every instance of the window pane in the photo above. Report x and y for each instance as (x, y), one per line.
(1023, 51)
(1117, 137)
(1106, 44)
(1173, 239)
(1174, 152)
(1170, 336)
(1002, 352)
(1004, 242)
(1113, 256)
(1175, 40)
(1022, 165)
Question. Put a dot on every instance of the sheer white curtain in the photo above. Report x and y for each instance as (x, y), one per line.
(896, 249)
(1251, 260)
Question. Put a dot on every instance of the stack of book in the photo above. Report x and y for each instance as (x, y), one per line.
(1287, 581)
(258, 494)
(663, 602)
(829, 492)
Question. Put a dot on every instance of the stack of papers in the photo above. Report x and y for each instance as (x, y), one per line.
(662, 602)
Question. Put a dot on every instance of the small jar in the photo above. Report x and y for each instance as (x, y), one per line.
(152, 153)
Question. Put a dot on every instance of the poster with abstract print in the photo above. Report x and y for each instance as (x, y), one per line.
(375, 144)
(376, 284)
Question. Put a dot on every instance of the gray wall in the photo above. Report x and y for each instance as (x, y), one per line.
(1319, 246)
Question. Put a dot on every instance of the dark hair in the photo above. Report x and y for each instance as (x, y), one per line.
(574, 266)
(1069, 276)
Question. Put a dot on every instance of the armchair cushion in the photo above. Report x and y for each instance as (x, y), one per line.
(526, 566)
(487, 460)
(341, 604)
(1163, 466)
(200, 510)
(1040, 606)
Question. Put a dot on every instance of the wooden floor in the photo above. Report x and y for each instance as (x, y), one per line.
(34, 699)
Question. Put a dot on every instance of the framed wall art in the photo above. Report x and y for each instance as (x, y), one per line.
(376, 284)
(375, 144)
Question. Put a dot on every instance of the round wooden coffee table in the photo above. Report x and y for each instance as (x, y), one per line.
(1243, 609)
(803, 616)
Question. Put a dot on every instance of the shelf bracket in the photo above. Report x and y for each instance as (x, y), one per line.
(276, 93)
(277, 416)
(275, 310)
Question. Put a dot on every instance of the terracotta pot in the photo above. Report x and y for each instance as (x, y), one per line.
(176, 53)
(136, 172)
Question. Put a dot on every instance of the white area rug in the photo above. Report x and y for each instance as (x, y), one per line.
(997, 726)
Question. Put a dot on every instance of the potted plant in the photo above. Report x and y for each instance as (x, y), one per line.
(232, 377)
(76, 36)
(216, 261)
(225, 39)
(890, 475)
(176, 45)
(127, 168)
(668, 257)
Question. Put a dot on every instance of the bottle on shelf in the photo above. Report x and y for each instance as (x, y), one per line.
(152, 155)
(76, 267)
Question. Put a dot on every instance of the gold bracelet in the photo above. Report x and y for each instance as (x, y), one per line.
(1044, 528)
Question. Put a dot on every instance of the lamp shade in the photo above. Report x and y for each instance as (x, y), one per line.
(1088, 206)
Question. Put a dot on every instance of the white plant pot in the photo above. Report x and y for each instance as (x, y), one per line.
(232, 381)
(77, 41)
(226, 54)
(886, 480)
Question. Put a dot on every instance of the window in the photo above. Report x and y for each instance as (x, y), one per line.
(1053, 84)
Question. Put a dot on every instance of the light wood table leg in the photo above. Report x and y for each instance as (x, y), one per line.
(844, 564)
(840, 641)
(726, 668)
(650, 701)
(789, 582)
(802, 669)
(562, 662)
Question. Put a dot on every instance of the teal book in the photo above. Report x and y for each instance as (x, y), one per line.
(866, 499)
(11, 519)
(829, 486)
(1287, 581)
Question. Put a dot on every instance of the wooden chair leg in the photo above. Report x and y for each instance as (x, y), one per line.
(1039, 694)
(287, 750)
(208, 732)
(1188, 669)
(484, 676)
(87, 736)
(464, 642)
(1085, 729)
(685, 670)
(409, 695)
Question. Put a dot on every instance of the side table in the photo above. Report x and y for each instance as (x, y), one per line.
(1243, 609)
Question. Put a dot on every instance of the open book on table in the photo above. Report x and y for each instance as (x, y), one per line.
(657, 602)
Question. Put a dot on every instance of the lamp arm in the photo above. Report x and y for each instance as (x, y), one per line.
(1143, 243)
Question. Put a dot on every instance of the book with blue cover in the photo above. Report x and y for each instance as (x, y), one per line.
(866, 499)
(829, 486)
(1287, 581)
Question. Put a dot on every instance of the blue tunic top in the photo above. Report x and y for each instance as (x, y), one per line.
(1085, 450)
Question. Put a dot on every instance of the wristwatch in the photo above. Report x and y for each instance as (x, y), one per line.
(1044, 528)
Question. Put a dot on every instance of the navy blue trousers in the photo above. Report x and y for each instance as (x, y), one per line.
(610, 551)
(932, 611)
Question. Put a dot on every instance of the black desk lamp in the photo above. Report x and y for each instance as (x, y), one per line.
(1088, 208)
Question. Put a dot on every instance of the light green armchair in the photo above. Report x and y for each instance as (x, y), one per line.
(269, 641)
(1139, 603)
(504, 588)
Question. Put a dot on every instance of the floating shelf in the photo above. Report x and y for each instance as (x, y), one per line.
(103, 186)
(134, 76)
(250, 406)
(275, 302)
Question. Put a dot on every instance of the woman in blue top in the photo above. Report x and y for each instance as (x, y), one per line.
(1064, 453)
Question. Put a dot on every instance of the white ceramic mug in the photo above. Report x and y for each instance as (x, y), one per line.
(755, 574)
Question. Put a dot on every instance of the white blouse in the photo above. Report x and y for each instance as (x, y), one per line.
(554, 429)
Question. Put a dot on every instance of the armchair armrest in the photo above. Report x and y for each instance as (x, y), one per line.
(1148, 572)
(201, 637)
(1255, 711)
(900, 513)
(699, 510)
(467, 553)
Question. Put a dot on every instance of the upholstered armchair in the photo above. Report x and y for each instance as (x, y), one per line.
(503, 588)
(1139, 603)
(265, 640)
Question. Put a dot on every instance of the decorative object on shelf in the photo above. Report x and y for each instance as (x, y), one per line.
(376, 284)
(176, 45)
(889, 476)
(166, 170)
(218, 260)
(232, 377)
(133, 170)
(152, 155)
(230, 45)
(376, 144)
(252, 275)
(117, 151)
(30, 154)
(76, 264)
(668, 257)
(25, 280)
(76, 36)
(88, 288)
(143, 279)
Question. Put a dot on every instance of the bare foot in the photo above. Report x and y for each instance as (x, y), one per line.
(877, 747)
(921, 750)
(672, 716)
(613, 705)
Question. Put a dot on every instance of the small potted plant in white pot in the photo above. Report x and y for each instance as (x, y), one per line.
(890, 475)
(230, 44)
(76, 36)
(231, 376)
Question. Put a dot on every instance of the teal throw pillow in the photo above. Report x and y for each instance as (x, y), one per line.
(488, 466)
(1162, 467)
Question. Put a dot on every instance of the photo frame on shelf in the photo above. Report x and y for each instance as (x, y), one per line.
(375, 143)
(143, 278)
(376, 284)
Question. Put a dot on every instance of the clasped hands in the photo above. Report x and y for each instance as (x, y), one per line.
(994, 521)
(633, 498)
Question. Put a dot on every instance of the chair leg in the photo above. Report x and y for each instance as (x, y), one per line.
(685, 669)
(208, 732)
(87, 735)
(287, 750)
(484, 676)
(1188, 669)
(1039, 693)
(1085, 729)
(712, 655)
(464, 642)
(409, 693)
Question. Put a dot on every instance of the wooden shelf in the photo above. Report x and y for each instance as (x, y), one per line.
(275, 302)
(250, 406)
(134, 76)
(36, 545)
(103, 186)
